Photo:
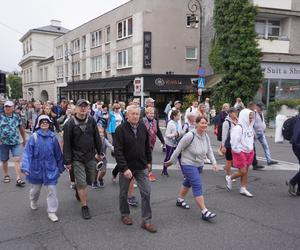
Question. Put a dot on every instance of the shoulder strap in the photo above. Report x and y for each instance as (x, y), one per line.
(190, 141)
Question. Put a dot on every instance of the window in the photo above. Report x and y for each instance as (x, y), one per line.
(107, 56)
(192, 21)
(30, 44)
(46, 74)
(24, 51)
(107, 38)
(41, 75)
(83, 43)
(96, 64)
(59, 52)
(30, 74)
(76, 45)
(124, 58)
(60, 71)
(66, 49)
(96, 38)
(125, 28)
(76, 68)
(191, 53)
(268, 28)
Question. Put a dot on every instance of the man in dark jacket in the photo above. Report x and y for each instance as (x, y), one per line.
(133, 156)
(295, 141)
(81, 143)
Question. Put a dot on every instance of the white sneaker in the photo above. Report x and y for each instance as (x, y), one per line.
(207, 161)
(52, 217)
(228, 182)
(245, 192)
(33, 205)
(134, 185)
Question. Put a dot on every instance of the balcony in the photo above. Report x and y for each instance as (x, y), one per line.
(279, 4)
(274, 46)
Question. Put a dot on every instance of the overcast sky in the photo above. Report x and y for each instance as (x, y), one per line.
(18, 16)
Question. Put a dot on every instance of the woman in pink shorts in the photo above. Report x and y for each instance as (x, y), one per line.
(242, 139)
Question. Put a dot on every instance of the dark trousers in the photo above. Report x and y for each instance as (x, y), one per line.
(296, 179)
(254, 162)
(141, 177)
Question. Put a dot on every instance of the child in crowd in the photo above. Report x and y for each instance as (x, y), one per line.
(102, 165)
(42, 164)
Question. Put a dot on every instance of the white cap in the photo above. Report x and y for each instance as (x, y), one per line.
(42, 117)
(9, 103)
(150, 100)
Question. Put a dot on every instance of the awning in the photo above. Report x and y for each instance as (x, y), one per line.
(98, 84)
(212, 80)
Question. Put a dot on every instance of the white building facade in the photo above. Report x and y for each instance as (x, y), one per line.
(37, 63)
(141, 48)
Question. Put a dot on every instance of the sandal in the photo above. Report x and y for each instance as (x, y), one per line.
(20, 183)
(6, 179)
(182, 204)
(208, 215)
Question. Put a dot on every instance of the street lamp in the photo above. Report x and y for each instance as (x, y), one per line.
(194, 6)
(69, 52)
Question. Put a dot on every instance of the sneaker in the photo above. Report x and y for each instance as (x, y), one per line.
(72, 185)
(152, 177)
(272, 163)
(33, 205)
(245, 192)
(258, 167)
(165, 172)
(134, 185)
(207, 161)
(95, 185)
(52, 217)
(85, 213)
(132, 201)
(208, 215)
(228, 182)
(101, 183)
(291, 189)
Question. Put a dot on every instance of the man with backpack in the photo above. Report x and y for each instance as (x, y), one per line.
(191, 109)
(295, 141)
(82, 147)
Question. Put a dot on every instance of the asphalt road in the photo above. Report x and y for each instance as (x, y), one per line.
(270, 220)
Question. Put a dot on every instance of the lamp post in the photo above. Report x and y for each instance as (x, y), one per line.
(194, 6)
(69, 52)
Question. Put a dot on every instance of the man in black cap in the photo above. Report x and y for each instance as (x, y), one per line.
(82, 146)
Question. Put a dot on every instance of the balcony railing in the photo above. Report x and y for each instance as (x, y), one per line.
(278, 4)
(274, 46)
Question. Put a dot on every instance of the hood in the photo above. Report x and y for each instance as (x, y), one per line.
(244, 118)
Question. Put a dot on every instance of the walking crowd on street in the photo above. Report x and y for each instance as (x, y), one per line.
(75, 137)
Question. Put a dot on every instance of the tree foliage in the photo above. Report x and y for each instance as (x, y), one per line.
(235, 52)
(15, 84)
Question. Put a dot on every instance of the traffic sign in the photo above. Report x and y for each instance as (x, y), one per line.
(201, 72)
(201, 82)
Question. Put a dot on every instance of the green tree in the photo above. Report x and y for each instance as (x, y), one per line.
(235, 52)
(15, 84)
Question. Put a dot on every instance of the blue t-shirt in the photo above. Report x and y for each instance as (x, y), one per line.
(9, 129)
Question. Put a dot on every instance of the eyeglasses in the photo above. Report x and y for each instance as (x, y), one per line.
(44, 122)
(6, 106)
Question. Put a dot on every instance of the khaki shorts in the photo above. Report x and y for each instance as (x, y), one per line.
(85, 173)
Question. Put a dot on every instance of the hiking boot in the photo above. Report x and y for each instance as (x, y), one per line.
(85, 213)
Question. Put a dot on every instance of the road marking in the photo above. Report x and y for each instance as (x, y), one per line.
(283, 166)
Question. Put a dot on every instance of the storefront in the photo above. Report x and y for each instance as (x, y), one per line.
(162, 88)
(281, 81)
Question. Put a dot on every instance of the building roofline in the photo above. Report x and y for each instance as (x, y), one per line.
(129, 1)
(30, 58)
(40, 32)
(282, 12)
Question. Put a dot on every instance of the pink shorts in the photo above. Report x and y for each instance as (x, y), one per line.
(242, 159)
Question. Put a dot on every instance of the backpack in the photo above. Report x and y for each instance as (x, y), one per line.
(227, 141)
(220, 121)
(288, 128)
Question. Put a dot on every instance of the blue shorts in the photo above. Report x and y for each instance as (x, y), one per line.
(14, 149)
(192, 178)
